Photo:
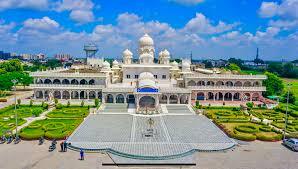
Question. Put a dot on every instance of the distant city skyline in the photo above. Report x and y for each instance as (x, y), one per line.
(209, 29)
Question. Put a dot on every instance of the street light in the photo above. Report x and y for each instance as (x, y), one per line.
(15, 81)
(286, 118)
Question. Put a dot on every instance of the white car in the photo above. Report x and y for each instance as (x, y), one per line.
(291, 143)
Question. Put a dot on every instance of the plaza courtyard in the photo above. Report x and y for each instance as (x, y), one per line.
(170, 137)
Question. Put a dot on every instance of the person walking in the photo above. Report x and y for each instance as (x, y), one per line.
(82, 154)
(61, 146)
(65, 146)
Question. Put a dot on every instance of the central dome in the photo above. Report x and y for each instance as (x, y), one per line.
(146, 75)
(146, 40)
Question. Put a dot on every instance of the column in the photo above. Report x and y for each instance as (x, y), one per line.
(125, 101)
(232, 96)
(205, 96)
(168, 99)
(61, 94)
(178, 96)
(214, 94)
(189, 99)
(69, 91)
(88, 94)
(114, 98)
(103, 100)
(250, 97)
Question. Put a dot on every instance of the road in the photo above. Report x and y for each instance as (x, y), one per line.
(254, 155)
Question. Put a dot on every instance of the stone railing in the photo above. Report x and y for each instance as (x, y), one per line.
(225, 76)
(65, 86)
(234, 88)
(175, 90)
(66, 75)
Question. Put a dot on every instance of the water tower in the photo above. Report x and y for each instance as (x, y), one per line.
(90, 50)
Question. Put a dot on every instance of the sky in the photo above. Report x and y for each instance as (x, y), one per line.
(209, 29)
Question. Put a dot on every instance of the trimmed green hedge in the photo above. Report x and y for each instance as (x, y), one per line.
(54, 126)
(247, 128)
(243, 136)
(266, 137)
(60, 134)
(265, 128)
(28, 134)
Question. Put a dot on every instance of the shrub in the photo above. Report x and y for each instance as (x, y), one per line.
(246, 128)
(268, 137)
(54, 126)
(45, 106)
(96, 102)
(243, 136)
(265, 128)
(68, 103)
(31, 103)
(294, 113)
(82, 103)
(30, 135)
(34, 126)
(19, 101)
(250, 104)
(59, 106)
(60, 134)
(56, 100)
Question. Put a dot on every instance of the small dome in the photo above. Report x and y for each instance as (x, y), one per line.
(174, 63)
(146, 75)
(146, 40)
(185, 64)
(160, 54)
(115, 62)
(106, 64)
(146, 55)
(127, 53)
(166, 53)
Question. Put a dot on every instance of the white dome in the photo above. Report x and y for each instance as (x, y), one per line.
(160, 54)
(115, 62)
(106, 64)
(127, 52)
(185, 64)
(166, 53)
(146, 40)
(174, 63)
(146, 75)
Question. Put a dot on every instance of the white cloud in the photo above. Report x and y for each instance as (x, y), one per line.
(286, 9)
(202, 25)
(26, 4)
(43, 24)
(188, 2)
(81, 11)
(284, 24)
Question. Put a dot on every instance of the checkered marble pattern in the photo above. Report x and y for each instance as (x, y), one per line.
(174, 136)
(178, 109)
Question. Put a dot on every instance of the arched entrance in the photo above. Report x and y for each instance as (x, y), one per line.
(120, 98)
(200, 96)
(131, 99)
(109, 98)
(147, 102)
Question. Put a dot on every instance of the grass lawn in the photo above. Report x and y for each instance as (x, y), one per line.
(253, 72)
(69, 112)
(7, 116)
(50, 128)
(238, 125)
(59, 123)
(23, 111)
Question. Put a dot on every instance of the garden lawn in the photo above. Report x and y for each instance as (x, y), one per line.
(50, 128)
(9, 124)
(23, 111)
(237, 124)
(69, 112)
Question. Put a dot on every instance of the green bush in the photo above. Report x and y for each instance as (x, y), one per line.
(54, 126)
(294, 113)
(45, 106)
(247, 128)
(265, 128)
(266, 137)
(59, 106)
(34, 126)
(31, 103)
(60, 134)
(31, 135)
(244, 136)
(68, 103)
(82, 103)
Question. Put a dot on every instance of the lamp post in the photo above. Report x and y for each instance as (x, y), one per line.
(15, 81)
(286, 118)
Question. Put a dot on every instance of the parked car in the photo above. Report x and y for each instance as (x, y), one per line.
(292, 143)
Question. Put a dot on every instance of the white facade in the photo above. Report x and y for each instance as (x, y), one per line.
(145, 83)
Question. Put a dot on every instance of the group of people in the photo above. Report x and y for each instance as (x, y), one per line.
(63, 146)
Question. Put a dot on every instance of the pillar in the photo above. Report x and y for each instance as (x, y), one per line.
(168, 99)
(189, 99)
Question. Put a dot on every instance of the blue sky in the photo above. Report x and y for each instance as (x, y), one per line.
(209, 28)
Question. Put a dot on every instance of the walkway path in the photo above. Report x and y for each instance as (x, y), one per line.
(32, 119)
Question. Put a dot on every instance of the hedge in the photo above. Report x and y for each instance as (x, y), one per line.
(294, 113)
(34, 126)
(243, 136)
(60, 134)
(54, 126)
(30, 135)
(246, 128)
(265, 128)
(265, 137)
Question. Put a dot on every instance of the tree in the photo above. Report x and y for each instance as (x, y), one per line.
(82, 103)
(292, 97)
(238, 62)
(234, 67)
(208, 64)
(250, 104)
(274, 85)
(68, 103)
(31, 103)
(19, 101)
(96, 102)
(275, 68)
(288, 70)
